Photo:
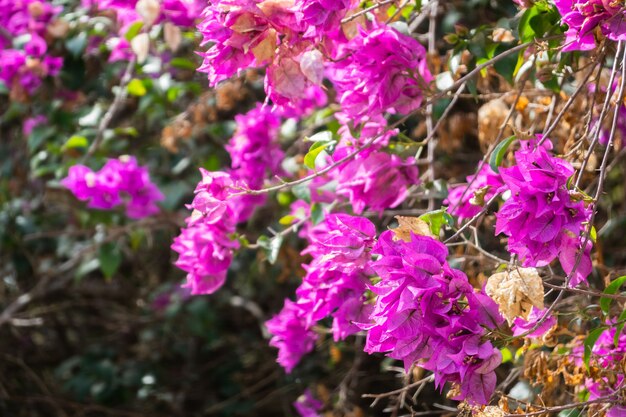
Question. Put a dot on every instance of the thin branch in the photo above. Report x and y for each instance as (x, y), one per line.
(120, 97)
(367, 10)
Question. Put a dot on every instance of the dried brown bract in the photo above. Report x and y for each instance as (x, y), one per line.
(516, 292)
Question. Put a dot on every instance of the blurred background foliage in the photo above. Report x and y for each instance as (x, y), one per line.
(93, 321)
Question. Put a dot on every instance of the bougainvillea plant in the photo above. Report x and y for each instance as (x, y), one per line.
(341, 171)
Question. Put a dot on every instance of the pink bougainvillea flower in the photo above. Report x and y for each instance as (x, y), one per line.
(381, 70)
(378, 181)
(428, 313)
(205, 252)
(120, 181)
(291, 335)
(521, 326)
(307, 405)
(542, 218)
(465, 201)
(584, 16)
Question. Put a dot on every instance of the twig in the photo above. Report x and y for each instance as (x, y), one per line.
(587, 236)
(120, 97)
(377, 397)
(473, 219)
(366, 10)
(606, 399)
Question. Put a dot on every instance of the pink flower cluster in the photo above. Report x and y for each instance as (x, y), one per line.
(427, 313)
(322, 18)
(377, 180)
(379, 70)
(307, 405)
(583, 18)
(372, 178)
(465, 201)
(609, 357)
(120, 182)
(333, 286)
(291, 335)
(542, 218)
(254, 149)
(205, 253)
(25, 66)
(521, 326)
(206, 245)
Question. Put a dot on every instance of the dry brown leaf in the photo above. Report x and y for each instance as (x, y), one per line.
(149, 10)
(266, 49)
(272, 8)
(516, 292)
(491, 116)
(140, 45)
(491, 411)
(244, 23)
(502, 35)
(406, 225)
(58, 28)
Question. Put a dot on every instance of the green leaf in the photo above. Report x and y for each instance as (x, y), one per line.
(302, 191)
(76, 141)
(593, 234)
(183, 63)
(507, 355)
(133, 30)
(498, 153)
(590, 341)
(314, 151)
(317, 214)
(271, 247)
(620, 327)
(39, 135)
(110, 259)
(136, 88)
(525, 30)
(287, 220)
(436, 219)
(569, 413)
(77, 44)
(612, 288)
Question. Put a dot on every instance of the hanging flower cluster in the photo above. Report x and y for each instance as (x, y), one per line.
(205, 253)
(291, 335)
(24, 51)
(543, 218)
(119, 182)
(205, 246)
(333, 286)
(427, 313)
